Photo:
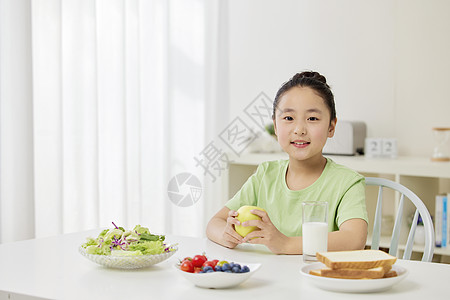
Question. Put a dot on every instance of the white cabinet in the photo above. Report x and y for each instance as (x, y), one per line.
(419, 174)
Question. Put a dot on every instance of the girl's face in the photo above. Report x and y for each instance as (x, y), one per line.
(302, 123)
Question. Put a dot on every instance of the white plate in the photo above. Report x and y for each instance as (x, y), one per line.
(219, 280)
(127, 262)
(352, 285)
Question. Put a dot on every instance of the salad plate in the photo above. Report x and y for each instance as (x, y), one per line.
(127, 262)
(127, 249)
(352, 285)
(218, 280)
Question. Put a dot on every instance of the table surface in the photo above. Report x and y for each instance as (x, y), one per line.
(52, 268)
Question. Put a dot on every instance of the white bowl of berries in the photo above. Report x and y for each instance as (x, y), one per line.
(214, 273)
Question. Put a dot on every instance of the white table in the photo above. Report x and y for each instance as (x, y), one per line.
(52, 268)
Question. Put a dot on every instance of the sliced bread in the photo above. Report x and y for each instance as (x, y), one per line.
(357, 259)
(391, 273)
(373, 273)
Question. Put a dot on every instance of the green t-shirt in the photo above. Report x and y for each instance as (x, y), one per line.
(341, 187)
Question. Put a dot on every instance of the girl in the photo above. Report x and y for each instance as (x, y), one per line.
(304, 117)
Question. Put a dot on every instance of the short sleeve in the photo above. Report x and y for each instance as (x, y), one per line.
(248, 194)
(353, 203)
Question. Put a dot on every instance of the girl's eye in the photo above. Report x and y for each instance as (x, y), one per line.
(313, 119)
(288, 118)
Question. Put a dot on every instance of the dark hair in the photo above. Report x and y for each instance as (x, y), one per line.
(313, 80)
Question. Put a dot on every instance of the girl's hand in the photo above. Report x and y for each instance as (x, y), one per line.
(230, 237)
(268, 234)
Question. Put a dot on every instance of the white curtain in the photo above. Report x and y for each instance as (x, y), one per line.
(123, 96)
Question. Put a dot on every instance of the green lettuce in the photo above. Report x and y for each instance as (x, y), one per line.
(120, 242)
(102, 249)
(103, 233)
(90, 242)
(140, 230)
(126, 253)
(148, 247)
(117, 233)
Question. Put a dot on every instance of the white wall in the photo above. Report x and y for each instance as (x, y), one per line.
(387, 61)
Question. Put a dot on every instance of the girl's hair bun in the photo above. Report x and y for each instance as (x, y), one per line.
(311, 75)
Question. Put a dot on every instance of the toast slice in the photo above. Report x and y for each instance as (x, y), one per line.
(373, 273)
(317, 272)
(391, 273)
(356, 259)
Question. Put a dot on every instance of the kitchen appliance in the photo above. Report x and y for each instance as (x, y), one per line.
(349, 138)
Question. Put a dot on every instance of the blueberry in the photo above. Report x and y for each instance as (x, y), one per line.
(235, 269)
(228, 271)
(209, 271)
(245, 269)
(208, 268)
(226, 267)
(218, 268)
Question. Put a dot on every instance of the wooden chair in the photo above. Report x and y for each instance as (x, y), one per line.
(421, 209)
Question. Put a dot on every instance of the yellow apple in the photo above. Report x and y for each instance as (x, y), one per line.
(244, 214)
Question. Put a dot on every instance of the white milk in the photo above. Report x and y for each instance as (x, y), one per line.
(315, 237)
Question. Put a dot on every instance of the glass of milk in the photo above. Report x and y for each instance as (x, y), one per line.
(314, 228)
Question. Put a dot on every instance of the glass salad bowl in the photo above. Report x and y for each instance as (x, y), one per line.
(128, 262)
(127, 249)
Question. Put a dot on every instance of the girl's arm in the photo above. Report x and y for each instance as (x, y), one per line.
(352, 235)
(220, 228)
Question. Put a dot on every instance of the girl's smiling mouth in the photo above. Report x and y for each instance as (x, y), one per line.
(300, 143)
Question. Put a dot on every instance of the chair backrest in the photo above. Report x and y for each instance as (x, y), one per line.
(420, 209)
